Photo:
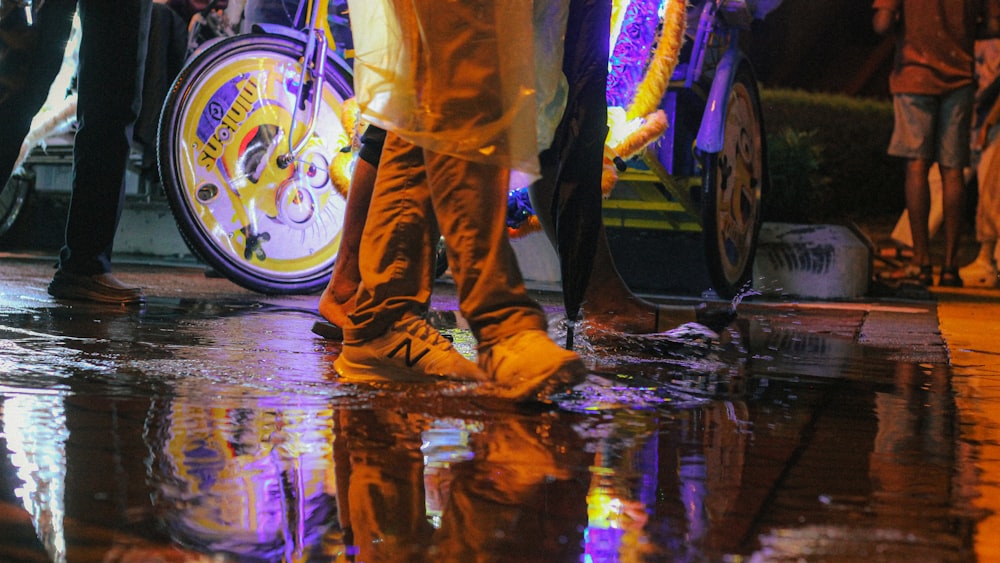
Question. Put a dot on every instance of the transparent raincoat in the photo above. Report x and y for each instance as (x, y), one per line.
(476, 79)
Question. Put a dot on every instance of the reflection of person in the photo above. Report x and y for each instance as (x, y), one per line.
(933, 88)
(913, 444)
(110, 71)
(444, 165)
(505, 495)
(982, 272)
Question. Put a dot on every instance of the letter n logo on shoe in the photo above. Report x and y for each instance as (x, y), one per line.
(407, 347)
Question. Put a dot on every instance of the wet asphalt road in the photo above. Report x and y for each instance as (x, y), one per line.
(208, 425)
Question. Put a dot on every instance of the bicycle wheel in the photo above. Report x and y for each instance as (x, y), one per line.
(267, 225)
(12, 199)
(732, 190)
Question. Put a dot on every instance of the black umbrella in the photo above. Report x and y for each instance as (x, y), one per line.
(572, 165)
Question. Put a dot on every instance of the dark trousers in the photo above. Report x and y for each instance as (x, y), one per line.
(112, 53)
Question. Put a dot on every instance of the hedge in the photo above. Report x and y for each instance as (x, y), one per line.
(827, 157)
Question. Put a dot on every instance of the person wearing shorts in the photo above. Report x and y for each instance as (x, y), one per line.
(933, 87)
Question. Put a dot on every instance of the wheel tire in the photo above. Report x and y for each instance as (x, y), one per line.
(12, 199)
(734, 182)
(225, 122)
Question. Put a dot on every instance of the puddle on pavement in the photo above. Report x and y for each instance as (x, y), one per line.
(215, 432)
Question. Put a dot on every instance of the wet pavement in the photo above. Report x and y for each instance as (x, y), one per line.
(208, 425)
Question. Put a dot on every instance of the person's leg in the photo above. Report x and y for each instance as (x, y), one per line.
(918, 205)
(387, 336)
(954, 154)
(514, 347)
(338, 298)
(953, 203)
(112, 56)
(110, 72)
(165, 58)
(395, 247)
(988, 212)
(471, 212)
(913, 139)
(30, 59)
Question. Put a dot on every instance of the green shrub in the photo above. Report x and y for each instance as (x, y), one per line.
(799, 193)
(827, 157)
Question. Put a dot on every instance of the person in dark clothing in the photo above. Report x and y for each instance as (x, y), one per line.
(112, 54)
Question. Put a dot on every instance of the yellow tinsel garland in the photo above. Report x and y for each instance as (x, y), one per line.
(661, 68)
(639, 133)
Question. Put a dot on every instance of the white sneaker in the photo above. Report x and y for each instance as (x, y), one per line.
(529, 365)
(410, 351)
(981, 273)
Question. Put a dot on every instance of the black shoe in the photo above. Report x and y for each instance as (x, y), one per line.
(99, 288)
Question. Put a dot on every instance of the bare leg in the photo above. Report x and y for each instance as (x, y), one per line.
(918, 205)
(337, 299)
(953, 185)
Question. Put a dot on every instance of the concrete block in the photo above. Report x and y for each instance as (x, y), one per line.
(537, 258)
(149, 228)
(811, 261)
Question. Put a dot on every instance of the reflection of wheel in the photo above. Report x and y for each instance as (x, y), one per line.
(12, 198)
(733, 185)
(270, 225)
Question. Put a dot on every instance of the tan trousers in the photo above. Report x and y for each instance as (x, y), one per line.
(469, 201)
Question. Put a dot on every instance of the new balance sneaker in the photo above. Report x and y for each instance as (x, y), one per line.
(529, 366)
(981, 273)
(410, 351)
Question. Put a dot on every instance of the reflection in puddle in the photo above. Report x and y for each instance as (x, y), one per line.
(251, 479)
(122, 439)
(34, 428)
